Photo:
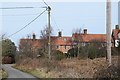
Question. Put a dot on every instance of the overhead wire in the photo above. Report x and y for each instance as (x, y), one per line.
(27, 24)
(19, 7)
(53, 19)
(45, 3)
(20, 14)
(30, 21)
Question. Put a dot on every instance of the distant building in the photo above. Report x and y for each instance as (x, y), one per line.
(85, 38)
(62, 43)
(115, 33)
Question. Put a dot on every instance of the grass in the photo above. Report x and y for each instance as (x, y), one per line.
(69, 68)
(34, 72)
(3, 74)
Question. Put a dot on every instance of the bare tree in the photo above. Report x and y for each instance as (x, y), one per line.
(78, 37)
(44, 39)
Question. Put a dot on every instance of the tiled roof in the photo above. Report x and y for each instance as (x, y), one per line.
(30, 42)
(90, 37)
(62, 40)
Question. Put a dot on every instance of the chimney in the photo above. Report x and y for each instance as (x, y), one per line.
(116, 26)
(59, 34)
(85, 31)
(34, 36)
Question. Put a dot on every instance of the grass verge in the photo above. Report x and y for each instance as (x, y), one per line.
(34, 72)
(3, 74)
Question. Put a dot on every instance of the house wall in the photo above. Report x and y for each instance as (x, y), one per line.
(62, 48)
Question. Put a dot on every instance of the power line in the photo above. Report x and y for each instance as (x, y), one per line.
(19, 7)
(20, 14)
(27, 24)
(53, 19)
(45, 3)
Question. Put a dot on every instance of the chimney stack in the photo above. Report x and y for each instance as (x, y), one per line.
(85, 31)
(59, 34)
(34, 36)
(116, 26)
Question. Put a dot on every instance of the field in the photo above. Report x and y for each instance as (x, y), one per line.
(70, 68)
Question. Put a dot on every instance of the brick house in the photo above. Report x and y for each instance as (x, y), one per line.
(64, 43)
(85, 38)
(57, 43)
(115, 33)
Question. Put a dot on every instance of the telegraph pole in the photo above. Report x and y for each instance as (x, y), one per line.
(108, 30)
(49, 46)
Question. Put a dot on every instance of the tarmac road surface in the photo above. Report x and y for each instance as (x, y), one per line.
(14, 73)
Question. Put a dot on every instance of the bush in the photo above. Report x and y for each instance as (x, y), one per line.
(101, 52)
(72, 52)
(114, 51)
(83, 53)
(92, 52)
(57, 55)
(107, 73)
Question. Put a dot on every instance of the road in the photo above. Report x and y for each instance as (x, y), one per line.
(14, 73)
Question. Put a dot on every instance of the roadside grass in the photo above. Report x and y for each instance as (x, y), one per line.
(3, 74)
(68, 68)
(35, 72)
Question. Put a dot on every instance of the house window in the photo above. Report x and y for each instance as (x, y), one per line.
(65, 39)
(57, 47)
(85, 44)
(72, 39)
(65, 46)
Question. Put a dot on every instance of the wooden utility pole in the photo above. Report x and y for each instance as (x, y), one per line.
(108, 30)
(49, 31)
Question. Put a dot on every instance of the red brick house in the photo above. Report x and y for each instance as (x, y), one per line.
(115, 33)
(85, 38)
(57, 43)
(64, 43)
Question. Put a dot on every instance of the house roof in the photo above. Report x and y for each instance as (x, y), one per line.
(65, 40)
(30, 42)
(90, 37)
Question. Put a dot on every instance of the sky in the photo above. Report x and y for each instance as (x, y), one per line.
(119, 13)
(65, 16)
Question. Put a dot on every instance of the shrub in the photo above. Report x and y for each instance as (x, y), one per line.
(83, 53)
(114, 51)
(57, 55)
(92, 52)
(72, 52)
(101, 52)
(107, 73)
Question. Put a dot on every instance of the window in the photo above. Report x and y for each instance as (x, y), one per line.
(65, 39)
(57, 47)
(72, 39)
(85, 44)
(65, 46)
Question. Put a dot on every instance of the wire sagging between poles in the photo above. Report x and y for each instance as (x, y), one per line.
(27, 24)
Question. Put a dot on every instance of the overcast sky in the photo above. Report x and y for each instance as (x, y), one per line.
(65, 16)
